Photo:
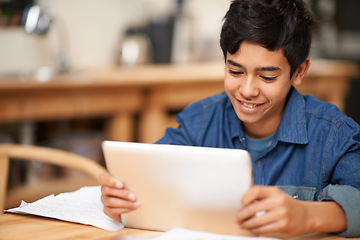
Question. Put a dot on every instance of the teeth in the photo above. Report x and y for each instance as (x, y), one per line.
(249, 105)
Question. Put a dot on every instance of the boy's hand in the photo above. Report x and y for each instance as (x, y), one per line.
(116, 198)
(283, 214)
(267, 209)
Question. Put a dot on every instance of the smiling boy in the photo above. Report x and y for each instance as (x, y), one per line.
(257, 83)
(305, 153)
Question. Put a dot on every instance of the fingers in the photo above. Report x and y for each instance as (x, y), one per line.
(119, 203)
(114, 213)
(267, 222)
(257, 193)
(257, 205)
(116, 198)
(108, 180)
(253, 211)
(271, 227)
(121, 193)
(114, 206)
(280, 211)
(255, 201)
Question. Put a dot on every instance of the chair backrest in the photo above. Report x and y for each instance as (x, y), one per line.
(45, 155)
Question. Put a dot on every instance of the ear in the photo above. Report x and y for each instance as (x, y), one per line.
(300, 72)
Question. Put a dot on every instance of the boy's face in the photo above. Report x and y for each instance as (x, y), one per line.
(257, 82)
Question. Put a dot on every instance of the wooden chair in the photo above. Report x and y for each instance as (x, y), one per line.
(44, 155)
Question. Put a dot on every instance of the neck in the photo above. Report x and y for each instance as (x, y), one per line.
(259, 134)
(262, 129)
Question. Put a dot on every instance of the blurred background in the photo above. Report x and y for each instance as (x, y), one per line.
(90, 33)
(46, 38)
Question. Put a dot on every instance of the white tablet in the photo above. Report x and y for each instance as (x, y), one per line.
(198, 188)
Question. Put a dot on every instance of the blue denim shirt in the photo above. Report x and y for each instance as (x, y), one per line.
(314, 155)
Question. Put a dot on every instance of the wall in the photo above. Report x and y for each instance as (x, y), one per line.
(88, 31)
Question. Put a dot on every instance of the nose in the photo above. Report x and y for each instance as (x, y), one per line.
(249, 87)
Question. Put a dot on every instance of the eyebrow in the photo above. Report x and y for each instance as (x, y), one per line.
(269, 68)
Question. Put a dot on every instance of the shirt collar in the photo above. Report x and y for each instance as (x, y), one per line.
(236, 129)
(292, 127)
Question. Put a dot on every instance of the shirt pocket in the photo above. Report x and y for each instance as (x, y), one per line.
(300, 192)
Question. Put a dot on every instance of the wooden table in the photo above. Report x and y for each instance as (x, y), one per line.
(13, 227)
(153, 92)
(71, 97)
(20, 227)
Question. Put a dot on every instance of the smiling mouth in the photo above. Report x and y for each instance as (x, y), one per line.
(249, 105)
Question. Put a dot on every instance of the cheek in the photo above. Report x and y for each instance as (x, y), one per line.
(230, 84)
(276, 92)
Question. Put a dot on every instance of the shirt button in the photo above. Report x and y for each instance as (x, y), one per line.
(296, 197)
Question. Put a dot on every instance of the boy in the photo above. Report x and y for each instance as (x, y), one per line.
(305, 153)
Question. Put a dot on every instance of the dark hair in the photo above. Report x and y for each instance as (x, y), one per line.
(274, 24)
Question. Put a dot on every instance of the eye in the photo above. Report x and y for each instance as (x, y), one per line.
(233, 72)
(268, 78)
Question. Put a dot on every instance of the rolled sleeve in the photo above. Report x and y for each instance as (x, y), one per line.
(348, 198)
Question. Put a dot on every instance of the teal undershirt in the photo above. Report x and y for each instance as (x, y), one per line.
(256, 146)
